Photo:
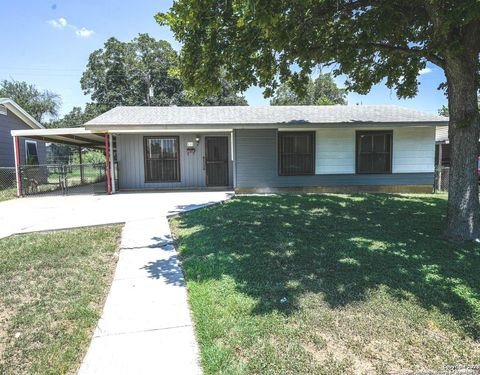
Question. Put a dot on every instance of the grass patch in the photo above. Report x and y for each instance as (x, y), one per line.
(53, 286)
(7, 193)
(329, 284)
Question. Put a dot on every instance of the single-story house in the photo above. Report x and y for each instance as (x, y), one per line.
(307, 148)
(13, 117)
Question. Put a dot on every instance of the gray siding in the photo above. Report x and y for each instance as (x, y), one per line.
(130, 156)
(256, 167)
(7, 158)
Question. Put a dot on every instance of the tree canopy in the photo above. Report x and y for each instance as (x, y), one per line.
(36, 102)
(258, 42)
(78, 116)
(319, 91)
(140, 72)
(264, 42)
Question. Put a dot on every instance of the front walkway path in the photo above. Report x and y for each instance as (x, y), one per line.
(51, 213)
(146, 326)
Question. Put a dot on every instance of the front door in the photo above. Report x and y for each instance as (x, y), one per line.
(216, 161)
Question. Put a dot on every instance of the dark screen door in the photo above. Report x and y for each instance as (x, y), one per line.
(216, 161)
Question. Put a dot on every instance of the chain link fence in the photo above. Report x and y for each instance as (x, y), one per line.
(8, 183)
(63, 179)
(55, 179)
(442, 175)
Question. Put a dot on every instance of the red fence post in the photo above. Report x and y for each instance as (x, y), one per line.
(16, 149)
(107, 165)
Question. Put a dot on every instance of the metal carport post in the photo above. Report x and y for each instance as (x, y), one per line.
(16, 150)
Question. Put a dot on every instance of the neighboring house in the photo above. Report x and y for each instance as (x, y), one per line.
(13, 117)
(442, 147)
(309, 148)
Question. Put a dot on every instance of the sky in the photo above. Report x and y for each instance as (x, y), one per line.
(47, 43)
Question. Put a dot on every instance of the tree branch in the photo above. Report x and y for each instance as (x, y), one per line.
(437, 60)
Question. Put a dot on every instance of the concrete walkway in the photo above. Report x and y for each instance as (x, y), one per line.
(49, 213)
(146, 326)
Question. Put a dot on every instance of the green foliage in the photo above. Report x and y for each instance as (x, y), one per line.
(78, 117)
(121, 73)
(261, 42)
(89, 157)
(320, 91)
(142, 72)
(65, 154)
(443, 111)
(37, 103)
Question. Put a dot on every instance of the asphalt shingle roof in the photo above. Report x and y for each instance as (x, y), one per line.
(232, 115)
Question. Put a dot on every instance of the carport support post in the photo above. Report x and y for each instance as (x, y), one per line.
(107, 163)
(16, 150)
(440, 157)
(112, 164)
(80, 161)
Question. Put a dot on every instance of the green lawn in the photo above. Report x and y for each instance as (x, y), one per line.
(8, 193)
(53, 286)
(370, 286)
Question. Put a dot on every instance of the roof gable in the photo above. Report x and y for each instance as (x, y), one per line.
(23, 115)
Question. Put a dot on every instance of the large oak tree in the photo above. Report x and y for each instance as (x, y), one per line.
(139, 72)
(261, 42)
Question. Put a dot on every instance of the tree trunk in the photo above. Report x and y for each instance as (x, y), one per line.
(463, 217)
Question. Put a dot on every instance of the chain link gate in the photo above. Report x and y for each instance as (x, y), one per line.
(442, 176)
(8, 183)
(63, 179)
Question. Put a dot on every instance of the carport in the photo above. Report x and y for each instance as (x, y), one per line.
(79, 137)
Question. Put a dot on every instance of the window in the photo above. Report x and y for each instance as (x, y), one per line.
(374, 152)
(31, 152)
(296, 153)
(162, 163)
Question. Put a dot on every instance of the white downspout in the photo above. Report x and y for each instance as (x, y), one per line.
(112, 164)
(234, 160)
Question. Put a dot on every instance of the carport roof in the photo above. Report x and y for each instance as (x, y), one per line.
(70, 136)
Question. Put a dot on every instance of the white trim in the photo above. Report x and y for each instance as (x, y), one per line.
(52, 131)
(234, 159)
(192, 128)
(150, 129)
(112, 163)
(21, 113)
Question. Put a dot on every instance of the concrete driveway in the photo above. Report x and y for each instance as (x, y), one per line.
(60, 212)
(145, 327)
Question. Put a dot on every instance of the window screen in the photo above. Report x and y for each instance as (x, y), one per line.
(31, 152)
(296, 153)
(162, 160)
(374, 152)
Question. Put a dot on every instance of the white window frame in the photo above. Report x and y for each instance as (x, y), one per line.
(26, 150)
